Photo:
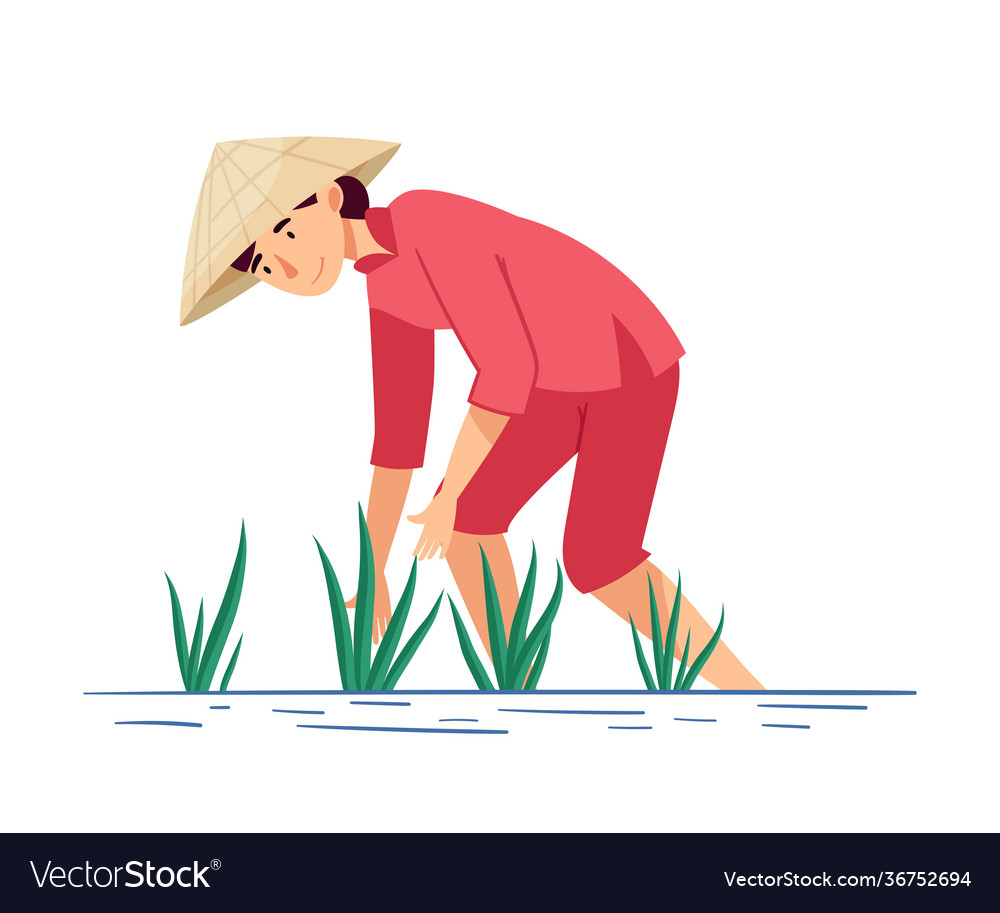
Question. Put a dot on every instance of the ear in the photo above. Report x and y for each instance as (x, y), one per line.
(333, 195)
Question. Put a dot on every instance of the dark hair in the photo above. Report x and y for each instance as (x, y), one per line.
(354, 207)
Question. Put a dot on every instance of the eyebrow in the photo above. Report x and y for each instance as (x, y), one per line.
(281, 225)
(256, 262)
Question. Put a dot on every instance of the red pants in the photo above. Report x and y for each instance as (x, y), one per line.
(618, 437)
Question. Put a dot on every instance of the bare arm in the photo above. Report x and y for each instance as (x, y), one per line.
(476, 438)
(385, 507)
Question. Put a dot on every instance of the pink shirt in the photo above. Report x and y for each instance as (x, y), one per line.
(530, 306)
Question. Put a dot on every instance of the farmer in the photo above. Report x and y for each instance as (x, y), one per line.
(572, 360)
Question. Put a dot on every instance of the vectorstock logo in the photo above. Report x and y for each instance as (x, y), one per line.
(136, 875)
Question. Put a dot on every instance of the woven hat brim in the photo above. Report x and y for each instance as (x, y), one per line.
(231, 284)
(248, 186)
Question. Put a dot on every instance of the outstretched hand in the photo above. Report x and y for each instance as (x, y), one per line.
(383, 608)
(438, 520)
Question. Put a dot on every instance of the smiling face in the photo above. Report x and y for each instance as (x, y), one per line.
(304, 252)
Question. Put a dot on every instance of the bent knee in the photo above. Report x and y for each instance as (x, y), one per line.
(592, 565)
(587, 576)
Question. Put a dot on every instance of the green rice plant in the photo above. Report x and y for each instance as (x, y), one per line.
(511, 660)
(663, 656)
(197, 667)
(358, 672)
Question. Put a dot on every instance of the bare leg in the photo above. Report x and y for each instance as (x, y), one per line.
(467, 569)
(630, 595)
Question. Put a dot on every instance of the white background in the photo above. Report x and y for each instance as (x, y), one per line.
(809, 191)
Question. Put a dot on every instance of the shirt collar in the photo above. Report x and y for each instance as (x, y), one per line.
(379, 223)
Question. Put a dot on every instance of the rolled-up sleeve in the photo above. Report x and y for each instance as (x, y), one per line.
(476, 294)
(403, 382)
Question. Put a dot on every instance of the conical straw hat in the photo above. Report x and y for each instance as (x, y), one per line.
(251, 184)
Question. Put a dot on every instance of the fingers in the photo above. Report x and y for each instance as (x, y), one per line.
(428, 546)
(425, 546)
(380, 626)
(439, 549)
(435, 537)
